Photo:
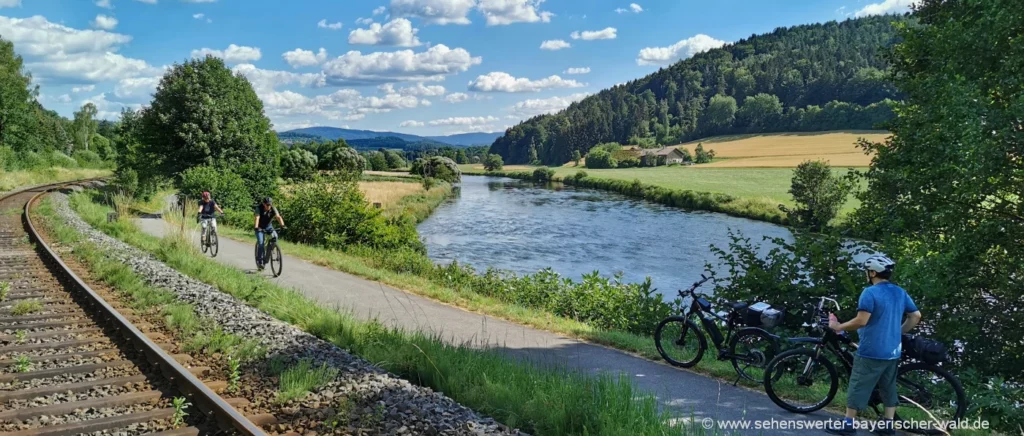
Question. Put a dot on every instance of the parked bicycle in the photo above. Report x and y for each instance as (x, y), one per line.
(208, 241)
(804, 380)
(271, 252)
(682, 343)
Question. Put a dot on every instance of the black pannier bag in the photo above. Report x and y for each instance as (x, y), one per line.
(924, 349)
(763, 315)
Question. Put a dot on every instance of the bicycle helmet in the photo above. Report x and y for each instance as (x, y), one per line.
(206, 195)
(879, 264)
(267, 201)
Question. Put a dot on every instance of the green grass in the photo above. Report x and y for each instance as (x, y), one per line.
(539, 400)
(299, 380)
(26, 307)
(12, 180)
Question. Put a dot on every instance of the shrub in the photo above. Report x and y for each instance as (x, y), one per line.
(493, 162)
(226, 187)
(437, 167)
(126, 180)
(580, 175)
(298, 164)
(818, 194)
(8, 159)
(59, 159)
(630, 162)
(600, 158)
(333, 213)
(543, 174)
(87, 159)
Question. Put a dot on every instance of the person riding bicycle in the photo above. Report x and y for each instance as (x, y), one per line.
(265, 214)
(880, 327)
(207, 208)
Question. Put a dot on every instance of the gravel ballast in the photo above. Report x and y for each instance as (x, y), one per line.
(399, 406)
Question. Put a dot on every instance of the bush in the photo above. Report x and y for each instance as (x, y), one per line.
(58, 159)
(580, 175)
(630, 162)
(333, 213)
(599, 159)
(298, 164)
(226, 187)
(127, 180)
(818, 194)
(543, 174)
(493, 162)
(437, 167)
(87, 159)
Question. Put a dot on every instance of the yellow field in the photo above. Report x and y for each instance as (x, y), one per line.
(389, 193)
(787, 150)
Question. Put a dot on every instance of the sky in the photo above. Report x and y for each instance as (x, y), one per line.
(426, 67)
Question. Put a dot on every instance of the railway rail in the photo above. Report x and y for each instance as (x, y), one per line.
(72, 362)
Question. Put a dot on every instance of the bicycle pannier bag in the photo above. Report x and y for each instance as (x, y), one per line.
(771, 317)
(753, 315)
(924, 349)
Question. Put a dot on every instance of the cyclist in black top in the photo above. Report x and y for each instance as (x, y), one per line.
(207, 207)
(265, 214)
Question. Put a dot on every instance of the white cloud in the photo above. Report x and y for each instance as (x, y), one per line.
(503, 12)
(151, 2)
(554, 44)
(537, 106)
(64, 98)
(680, 50)
(264, 81)
(323, 24)
(439, 12)
(199, 16)
(104, 4)
(10, 3)
(462, 121)
(104, 22)
(234, 54)
(583, 70)
(418, 90)
(498, 81)
(590, 35)
(304, 58)
(140, 88)
(364, 21)
(379, 10)
(404, 65)
(887, 7)
(456, 97)
(398, 32)
(106, 109)
(635, 8)
(79, 89)
(411, 123)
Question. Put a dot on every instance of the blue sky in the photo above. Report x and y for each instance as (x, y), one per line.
(417, 66)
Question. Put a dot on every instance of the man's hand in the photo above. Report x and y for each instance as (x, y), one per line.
(833, 322)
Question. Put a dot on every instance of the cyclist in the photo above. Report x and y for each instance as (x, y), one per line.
(207, 207)
(880, 327)
(265, 215)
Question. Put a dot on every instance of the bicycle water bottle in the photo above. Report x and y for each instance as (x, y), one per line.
(711, 328)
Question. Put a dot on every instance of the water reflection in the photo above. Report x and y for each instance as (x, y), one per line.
(516, 225)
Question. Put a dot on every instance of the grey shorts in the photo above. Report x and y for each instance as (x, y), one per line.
(868, 373)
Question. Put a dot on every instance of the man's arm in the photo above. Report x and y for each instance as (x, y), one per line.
(912, 319)
(256, 223)
(857, 322)
(280, 220)
(217, 206)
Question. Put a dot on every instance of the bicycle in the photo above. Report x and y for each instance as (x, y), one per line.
(271, 252)
(929, 392)
(673, 337)
(208, 240)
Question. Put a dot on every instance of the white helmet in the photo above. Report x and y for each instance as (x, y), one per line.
(879, 264)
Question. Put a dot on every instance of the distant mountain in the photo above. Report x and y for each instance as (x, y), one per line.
(469, 139)
(333, 133)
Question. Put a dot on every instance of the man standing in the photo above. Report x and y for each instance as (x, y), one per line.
(880, 327)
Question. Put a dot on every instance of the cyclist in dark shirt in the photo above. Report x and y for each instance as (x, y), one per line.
(207, 207)
(265, 213)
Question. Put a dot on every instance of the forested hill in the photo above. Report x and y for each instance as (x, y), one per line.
(814, 77)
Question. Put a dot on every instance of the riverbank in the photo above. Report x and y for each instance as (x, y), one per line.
(405, 196)
(540, 400)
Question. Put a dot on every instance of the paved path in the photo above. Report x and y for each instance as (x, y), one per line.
(686, 394)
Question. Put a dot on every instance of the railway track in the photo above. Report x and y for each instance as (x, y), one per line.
(72, 362)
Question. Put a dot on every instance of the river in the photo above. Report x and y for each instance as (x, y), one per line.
(519, 226)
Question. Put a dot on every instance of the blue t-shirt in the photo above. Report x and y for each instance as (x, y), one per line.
(881, 338)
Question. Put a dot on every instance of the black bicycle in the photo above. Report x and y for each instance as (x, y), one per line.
(682, 343)
(804, 380)
(271, 252)
(208, 241)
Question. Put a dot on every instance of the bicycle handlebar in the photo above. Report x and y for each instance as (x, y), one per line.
(695, 285)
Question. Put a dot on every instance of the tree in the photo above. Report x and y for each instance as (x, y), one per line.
(298, 164)
(818, 194)
(944, 192)
(16, 93)
(375, 161)
(437, 167)
(721, 112)
(759, 112)
(601, 158)
(701, 156)
(461, 158)
(395, 160)
(576, 157)
(203, 113)
(338, 156)
(493, 162)
(85, 125)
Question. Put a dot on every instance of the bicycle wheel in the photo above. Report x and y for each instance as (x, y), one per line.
(750, 351)
(276, 263)
(679, 341)
(930, 397)
(214, 244)
(801, 381)
(202, 242)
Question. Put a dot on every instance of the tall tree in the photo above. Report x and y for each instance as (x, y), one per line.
(945, 192)
(85, 125)
(16, 93)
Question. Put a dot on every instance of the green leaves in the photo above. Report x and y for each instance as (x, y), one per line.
(818, 194)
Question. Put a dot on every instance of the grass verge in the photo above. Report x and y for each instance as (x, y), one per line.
(11, 180)
(535, 399)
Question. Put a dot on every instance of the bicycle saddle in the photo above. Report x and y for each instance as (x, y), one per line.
(739, 306)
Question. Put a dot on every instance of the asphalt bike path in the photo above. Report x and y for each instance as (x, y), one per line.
(685, 394)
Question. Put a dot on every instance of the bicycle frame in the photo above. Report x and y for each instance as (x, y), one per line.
(700, 305)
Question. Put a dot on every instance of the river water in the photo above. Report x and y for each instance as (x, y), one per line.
(519, 226)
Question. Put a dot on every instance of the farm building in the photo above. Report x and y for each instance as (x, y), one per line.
(664, 156)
